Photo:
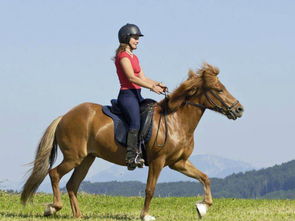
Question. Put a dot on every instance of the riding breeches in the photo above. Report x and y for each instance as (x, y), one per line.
(129, 101)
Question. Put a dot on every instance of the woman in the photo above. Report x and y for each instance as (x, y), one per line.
(131, 79)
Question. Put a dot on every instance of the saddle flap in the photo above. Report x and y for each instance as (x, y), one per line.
(146, 116)
(146, 105)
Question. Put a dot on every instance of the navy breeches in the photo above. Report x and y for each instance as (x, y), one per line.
(129, 101)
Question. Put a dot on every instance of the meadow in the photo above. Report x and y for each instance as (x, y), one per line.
(114, 208)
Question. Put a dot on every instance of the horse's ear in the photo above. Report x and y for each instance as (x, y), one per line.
(215, 70)
(210, 69)
(210, 75)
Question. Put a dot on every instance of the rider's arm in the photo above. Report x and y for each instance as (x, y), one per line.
(128, 70)
(146, 79)
(142, 76)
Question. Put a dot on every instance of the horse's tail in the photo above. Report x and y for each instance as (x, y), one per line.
(44, 159)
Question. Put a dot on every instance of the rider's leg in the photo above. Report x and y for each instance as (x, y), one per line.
(129, 104)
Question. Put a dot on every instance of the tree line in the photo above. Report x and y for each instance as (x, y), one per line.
(272, 183)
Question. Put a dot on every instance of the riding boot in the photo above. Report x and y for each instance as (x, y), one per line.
(133, 157)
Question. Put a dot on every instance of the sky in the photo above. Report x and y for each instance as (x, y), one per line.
(57, 54)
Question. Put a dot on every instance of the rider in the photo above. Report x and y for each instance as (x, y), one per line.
(131, 79)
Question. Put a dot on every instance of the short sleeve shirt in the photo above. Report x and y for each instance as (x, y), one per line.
(124, 81)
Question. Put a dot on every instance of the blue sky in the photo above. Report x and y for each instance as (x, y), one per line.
(57, 54)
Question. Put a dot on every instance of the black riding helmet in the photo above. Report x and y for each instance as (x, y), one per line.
(126, 31)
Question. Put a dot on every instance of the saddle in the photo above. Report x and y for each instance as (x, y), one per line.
(121, 126)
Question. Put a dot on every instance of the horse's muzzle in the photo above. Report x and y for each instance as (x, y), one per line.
(236, 112)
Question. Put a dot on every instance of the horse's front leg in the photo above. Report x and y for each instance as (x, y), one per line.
(187, 168)
(155, 168)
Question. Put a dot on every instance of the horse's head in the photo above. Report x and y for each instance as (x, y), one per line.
(212, 93)
(204, 90)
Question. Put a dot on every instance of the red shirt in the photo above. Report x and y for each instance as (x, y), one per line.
(124, 81)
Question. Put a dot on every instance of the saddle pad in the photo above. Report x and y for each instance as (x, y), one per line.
(121, 127)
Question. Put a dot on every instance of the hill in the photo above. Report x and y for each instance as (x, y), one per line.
(273, 182)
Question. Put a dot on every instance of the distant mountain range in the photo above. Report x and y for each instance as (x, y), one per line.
(213, 166)
(273, 182)
(277, 182)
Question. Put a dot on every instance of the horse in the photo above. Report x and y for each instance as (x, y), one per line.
(85, 132)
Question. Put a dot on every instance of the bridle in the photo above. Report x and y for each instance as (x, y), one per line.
(226, 109)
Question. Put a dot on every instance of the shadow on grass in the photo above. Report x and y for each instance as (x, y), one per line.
(105, 216)
(111, 216)
(20, 215)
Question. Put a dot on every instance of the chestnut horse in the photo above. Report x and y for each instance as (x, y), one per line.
(85, 133)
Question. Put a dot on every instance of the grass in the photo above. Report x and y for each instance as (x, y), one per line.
(110, 208)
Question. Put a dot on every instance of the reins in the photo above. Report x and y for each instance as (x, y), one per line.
(166, 126)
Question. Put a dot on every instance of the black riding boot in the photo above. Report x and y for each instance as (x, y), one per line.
(133, 158)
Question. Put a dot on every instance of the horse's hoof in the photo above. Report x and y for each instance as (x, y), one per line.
(148, 218)
(201, 209)
(49, 210)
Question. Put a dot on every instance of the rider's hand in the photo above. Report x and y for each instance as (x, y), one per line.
(160, 84)
(157, 89)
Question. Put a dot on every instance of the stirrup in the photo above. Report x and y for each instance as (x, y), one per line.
(130, 161)
(139, 161)
(131, 166)
(134, 162)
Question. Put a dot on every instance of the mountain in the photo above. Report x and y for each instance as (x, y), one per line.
(213, 166)
(275, 182)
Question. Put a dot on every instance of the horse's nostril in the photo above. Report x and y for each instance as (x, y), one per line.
(240, 109)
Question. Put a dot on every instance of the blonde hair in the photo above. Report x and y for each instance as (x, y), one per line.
(122, 47)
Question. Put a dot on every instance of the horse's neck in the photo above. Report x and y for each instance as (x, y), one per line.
(189, 117)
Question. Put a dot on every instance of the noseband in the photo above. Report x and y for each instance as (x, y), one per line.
(227, 110)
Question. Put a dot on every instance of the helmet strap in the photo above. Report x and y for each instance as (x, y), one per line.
(130, 49)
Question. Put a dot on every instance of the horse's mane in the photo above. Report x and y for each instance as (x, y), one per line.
(206, 76)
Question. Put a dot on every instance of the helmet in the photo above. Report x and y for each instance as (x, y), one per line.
(126, 31)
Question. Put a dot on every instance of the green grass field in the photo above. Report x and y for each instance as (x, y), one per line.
(98, 207)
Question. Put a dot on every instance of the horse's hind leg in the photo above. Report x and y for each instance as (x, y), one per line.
(74, 183)
(187, 168)
(55, 175)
